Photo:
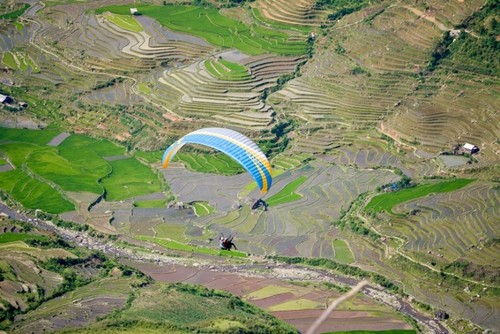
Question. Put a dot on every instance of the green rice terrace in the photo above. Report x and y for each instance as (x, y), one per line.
(379, 119)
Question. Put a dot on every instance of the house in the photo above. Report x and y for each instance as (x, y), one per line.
(470, 148)
(134, 11)
(6, 99)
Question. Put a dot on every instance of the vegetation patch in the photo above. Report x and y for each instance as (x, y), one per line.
(385, 202)
(126, 22)
(10, 237)
(129, 178)
(16, 13)
(216, 163)
(342, 251)
(297, 304)
(225, 70)
(202, 209)
(171, 244)
(219, 30)
(287, 194)
(181, 308)
(153, 203)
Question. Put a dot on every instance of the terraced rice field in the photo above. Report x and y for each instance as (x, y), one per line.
(455, 225)
(79, 307)
(226, 32)
(300, 227)
(297, 13)
(196, 93)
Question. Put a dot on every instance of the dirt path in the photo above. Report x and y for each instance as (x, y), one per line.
(57, 140)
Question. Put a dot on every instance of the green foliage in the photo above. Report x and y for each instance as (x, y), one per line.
(210, 24)
(32, 193)
(477, 47)
(225, 70)
(279, 143)
(349, 219)
(15, 14)
(440, 52)
(195, 309)
(216, 163)
(108, 83)
(287, 194)
(386, 202)
(10, 237)
(202, 209)
(129, 178)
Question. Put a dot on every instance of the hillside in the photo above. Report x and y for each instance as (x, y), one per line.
(49, 285)
(364, 109)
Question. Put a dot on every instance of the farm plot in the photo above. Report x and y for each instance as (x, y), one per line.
(193, 186)
(19, 61)
(44, 173)
(386, 202)
(129, 178)
(340, 106)
(122, 42)
(443, 117)
(79, 307)
(215, 163)
(361, 79)
(285, 14)
(454, 224)
(20, 267)
(226, 33)
(201, 91)
(298, 305)
(288, 228)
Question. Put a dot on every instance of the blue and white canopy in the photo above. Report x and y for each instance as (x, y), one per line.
(232, 143)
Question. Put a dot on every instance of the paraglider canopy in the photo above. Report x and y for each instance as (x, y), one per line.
(234, 144)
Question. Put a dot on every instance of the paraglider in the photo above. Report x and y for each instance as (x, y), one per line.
(226, 243)
(232, 143)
